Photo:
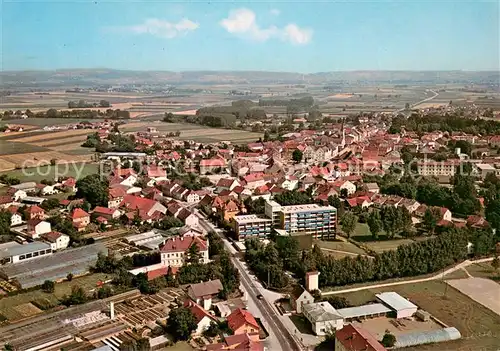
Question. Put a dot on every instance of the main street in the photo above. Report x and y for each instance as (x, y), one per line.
(268, 315)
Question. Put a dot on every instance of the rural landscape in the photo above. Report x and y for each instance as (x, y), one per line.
(250, 176)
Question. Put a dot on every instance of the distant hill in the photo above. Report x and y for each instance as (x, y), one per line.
(86, 77)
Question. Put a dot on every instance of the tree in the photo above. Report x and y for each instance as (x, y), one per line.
(388, 340)
(93, 189)
(69, 277)
(48, 286)
(297, 155)
(193, 254)
(431, 218)
(375, 223)
(349, 222)
(77, 296)
(181, 323)
(5, 222)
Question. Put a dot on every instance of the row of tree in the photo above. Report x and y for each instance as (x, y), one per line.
(85, 104)
(455, 122)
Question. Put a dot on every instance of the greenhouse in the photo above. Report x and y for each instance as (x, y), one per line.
(430, 337)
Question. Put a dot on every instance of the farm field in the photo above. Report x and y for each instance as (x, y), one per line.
(19, 306)
(480, 327)
(36, 174)
(484, 291)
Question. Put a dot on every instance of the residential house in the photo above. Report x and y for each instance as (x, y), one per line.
(69, 185)
(108, 213)
(16, 194)
(191, 197)
(6, 201)
(345, 184)
(241, 321)
(372, 187)
(115, 196)
(479, 222)
(37, 227)
(147, 209)
(300, 297)
(188, 218)
(240, 342)
(35, 212)
(203, 318)
(211, 165)
(173, 252)
(15, 217)
(355, 338)
(56, 240)
(44, 189)
(203, 293)
(226, 184)
(80, 219)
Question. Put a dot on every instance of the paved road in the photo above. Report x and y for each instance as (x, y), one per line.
(441, 275)
(420, 102)
(268, 314)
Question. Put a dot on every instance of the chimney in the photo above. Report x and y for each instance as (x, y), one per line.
(112, 310)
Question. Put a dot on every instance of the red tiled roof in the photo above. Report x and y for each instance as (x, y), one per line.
(52, 236)
(79, 213)
(133, 202)
(213, 162)
(117, 192)
(124, 172)
(5, 200)
(104, 210)
(198, 311)
(182, 244)
(35, 209)
(239, 318)
(12, 209)
(357, 339)
(70, 182)
(155, 171)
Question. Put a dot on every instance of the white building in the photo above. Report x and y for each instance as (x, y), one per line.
(57, 241)
(37, 227)
(323, 317)
(173, 253)
(15, 219)
(13, 252)
(403, 307)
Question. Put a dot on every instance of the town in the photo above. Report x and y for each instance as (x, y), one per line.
(255, 246)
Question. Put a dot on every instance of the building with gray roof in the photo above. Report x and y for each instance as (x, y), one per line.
(403, 307)
(323, 317)
(52, 267)
(428, 337)
(366, 311)
(13, 252)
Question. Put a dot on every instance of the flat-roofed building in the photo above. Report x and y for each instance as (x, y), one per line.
(320, 221)
(323, 317)
(484, 168)
(363, 312)
(403, 307)
(435, 168)
(246, 226)
(13, 252)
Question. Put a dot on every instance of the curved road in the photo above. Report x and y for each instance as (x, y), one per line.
(421, 101)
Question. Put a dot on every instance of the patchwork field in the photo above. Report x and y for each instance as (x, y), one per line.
(480, 327)
(481, 290)
(36, 174)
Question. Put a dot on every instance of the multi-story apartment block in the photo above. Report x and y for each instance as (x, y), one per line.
(434, 168)
(246, 226)
(320, 221)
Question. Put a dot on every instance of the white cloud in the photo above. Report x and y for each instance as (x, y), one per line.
(243, 22)
(275, 12)
(297, 35)
(163, 29)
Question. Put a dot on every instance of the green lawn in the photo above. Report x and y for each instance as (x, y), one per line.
(340, 246)
(36, 174)
(8, 303)
(363, 235)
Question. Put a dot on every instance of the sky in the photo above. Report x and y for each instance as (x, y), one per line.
(297, 36)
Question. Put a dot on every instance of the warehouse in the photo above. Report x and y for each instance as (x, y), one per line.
(403, 307)
(362, 312)
(52, 267)
(13, 252)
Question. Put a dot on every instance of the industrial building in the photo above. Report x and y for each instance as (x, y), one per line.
(150, 240)
(403, 307)
(14, 252)
(55, 266)
(251, 226)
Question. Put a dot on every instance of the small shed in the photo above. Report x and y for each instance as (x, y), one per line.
(403, 307)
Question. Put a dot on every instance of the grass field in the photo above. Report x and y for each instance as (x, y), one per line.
(484, 270)
(340, 246)
(363, 235)
(51, 172)
(480, 327)
(9, 306)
